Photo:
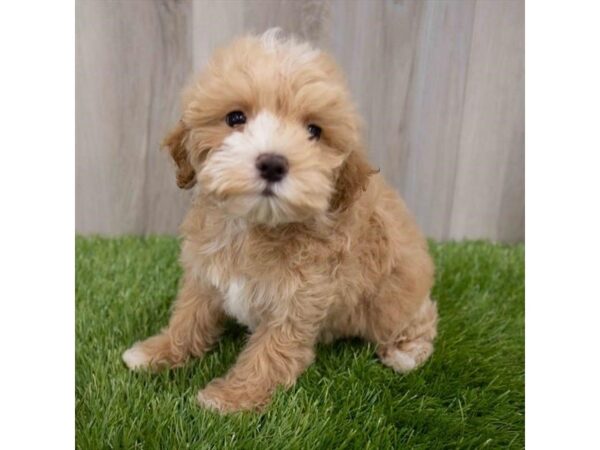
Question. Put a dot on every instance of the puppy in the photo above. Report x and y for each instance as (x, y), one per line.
(291, 231)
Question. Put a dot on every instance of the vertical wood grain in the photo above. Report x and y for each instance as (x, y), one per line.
(433, 115)
(374, 43)
(214, 24)
(439, 84)
(488, 200)
(131, 60)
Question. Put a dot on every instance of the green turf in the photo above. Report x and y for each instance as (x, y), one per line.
(469, 395)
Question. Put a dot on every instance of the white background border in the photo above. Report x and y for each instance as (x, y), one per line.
(562, 224)
(37, 164)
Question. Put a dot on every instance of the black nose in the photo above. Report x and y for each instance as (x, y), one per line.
(272, 167)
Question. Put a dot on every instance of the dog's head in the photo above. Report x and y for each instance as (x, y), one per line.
(270, 133)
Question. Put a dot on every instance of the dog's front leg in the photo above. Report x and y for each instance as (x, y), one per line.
(276, 354)
(194, 326)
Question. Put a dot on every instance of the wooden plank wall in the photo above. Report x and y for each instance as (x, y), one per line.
(440, 84)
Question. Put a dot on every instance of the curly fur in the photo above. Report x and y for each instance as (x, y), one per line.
(332, 253)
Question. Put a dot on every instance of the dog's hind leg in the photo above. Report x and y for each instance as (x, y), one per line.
(413, 345)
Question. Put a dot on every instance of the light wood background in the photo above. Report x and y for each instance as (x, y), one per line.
(440, 84)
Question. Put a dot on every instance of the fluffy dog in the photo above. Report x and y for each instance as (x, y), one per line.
(291, 231)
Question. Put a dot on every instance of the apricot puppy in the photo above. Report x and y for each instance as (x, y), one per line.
(291, 231)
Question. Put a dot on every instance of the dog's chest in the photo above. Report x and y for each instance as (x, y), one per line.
(246, 296)
(238, 304)
(252, 284)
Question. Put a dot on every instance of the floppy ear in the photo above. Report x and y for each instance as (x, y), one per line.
(175, 143)
(352, 180)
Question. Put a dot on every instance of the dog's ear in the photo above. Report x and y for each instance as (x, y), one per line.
(352, 180)
(174, 142)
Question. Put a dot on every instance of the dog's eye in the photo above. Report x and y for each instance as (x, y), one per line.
(314, 131)
(235, 118)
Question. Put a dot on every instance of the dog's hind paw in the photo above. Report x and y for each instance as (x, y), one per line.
(399, 361)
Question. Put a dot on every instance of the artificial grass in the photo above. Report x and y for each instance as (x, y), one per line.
(469, 395)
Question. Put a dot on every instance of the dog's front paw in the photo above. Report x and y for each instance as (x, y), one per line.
(135, 358)
(224, 398)
(154, 354)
